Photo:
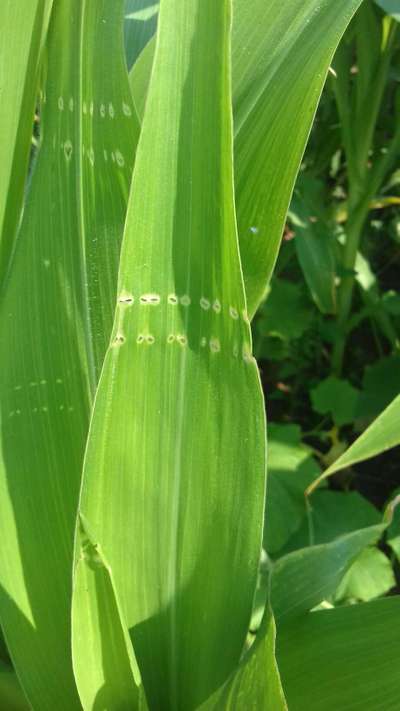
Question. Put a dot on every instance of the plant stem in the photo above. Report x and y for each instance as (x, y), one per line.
(363, 183)
(353, 236)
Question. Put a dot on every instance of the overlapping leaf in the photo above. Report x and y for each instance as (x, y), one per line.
(23, 27)
(279, 65)
(55, 319)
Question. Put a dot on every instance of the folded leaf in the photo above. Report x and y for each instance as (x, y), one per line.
(174, 475)
(106, 672)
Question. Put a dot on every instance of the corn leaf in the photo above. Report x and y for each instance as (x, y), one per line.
(23, 27)
(381, 435)
(343, 658)
(303, 579)
(173, 488)
(256, 683)
(279, 68)
(279, 65)
(55, 318)
(106, 672)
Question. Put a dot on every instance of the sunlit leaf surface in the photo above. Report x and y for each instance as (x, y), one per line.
(279, 65)
(55, 319)
(175, 472)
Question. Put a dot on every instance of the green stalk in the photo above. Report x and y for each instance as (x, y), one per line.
(353, 237)
(363, 183)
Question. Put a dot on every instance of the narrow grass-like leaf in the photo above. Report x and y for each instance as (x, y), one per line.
(106, 672)
(55, 318)
(279, 65)
(343, 658)
(381, 435)
(174, 475)
(256, 684)
(23, 31)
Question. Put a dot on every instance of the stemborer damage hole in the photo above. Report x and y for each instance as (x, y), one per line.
(118, 340)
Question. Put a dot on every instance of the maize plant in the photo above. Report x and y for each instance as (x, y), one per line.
(138, 237)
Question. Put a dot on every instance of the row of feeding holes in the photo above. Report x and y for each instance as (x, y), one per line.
(116, 156)
(90, 108)
(44, 408)
(174, 300)
(152, 299)
(180, 339)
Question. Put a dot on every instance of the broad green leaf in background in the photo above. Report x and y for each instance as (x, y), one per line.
(174, 476)
(304, 578)
(331, 514)
(287, 312)
(106, 672)
(23, 31)
(279, 65)
(371, 575)
(336, 397)
(256, 684)
(343, 658)
(380, 385)
(381, 435)
(55, 319)
(291, 468)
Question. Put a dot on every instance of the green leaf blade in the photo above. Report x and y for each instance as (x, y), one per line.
(105, 669)
(303, 579)
(179, 413)
(256, 683)
(55, 318)
(24, 27)
(343, 658)
(279, 69)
